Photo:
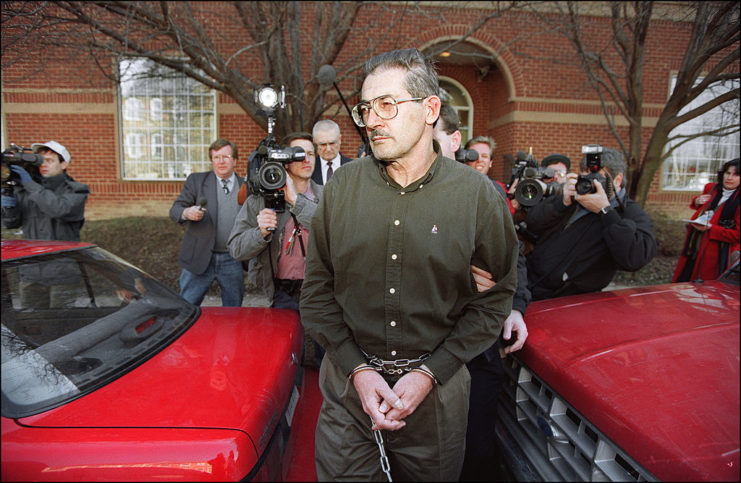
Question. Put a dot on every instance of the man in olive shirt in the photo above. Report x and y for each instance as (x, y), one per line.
(388, 290)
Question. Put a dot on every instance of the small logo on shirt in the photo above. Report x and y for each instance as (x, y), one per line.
(434, 229)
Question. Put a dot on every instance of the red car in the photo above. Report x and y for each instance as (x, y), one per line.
(640, 384)
(109, 375)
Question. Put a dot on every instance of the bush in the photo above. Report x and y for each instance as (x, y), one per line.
(153, 244)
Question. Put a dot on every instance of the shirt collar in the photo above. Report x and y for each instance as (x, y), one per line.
(335, 161)
(421, 181)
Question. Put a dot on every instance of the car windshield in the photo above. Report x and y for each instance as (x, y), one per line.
(76, 320)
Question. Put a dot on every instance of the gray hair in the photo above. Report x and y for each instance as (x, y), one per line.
(421, 79)
(612, 159)
(325, 125)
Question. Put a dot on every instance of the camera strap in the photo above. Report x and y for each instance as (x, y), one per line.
(297, 233)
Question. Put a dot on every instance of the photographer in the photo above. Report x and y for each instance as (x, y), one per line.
(276, 242)
(583, 239)
(50, 206)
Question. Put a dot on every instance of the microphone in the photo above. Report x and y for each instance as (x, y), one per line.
(326, 75)
(201, 203)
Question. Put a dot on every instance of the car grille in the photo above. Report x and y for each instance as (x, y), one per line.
(558, 443)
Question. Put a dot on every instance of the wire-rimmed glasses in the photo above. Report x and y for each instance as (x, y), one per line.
(385, 107)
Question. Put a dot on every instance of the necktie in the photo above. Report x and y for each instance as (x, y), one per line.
(223, 185)
(329, 170)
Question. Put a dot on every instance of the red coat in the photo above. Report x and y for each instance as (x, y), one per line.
(706, 266)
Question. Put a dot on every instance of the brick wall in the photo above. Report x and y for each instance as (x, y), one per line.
(526, 100)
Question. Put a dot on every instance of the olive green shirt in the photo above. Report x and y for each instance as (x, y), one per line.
(388, 268)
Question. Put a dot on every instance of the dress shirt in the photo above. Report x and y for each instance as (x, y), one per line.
(388, 267)
(336, 162)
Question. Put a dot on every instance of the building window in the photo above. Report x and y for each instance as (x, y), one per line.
(168, 121)
(696, 162)
(454, 94)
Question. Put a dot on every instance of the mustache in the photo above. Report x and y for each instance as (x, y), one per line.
(374, 133)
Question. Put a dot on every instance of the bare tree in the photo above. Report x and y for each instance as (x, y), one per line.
(265, 43)
(616, 74)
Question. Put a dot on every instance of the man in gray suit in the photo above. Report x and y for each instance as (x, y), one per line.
(208, 205)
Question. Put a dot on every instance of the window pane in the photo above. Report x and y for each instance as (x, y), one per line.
(696, 162)
(453, 94)
(166, 118)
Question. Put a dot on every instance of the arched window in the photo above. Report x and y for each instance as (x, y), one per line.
(454, 94)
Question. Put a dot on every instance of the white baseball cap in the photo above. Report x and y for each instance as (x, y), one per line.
(54, 146)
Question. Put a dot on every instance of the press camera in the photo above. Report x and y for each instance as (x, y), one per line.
(584, 183)
(466, 155)
(531, 187)
(22, 157)
(266, 172)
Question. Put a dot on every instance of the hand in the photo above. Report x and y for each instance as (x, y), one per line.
(515, 323)
(412, 389)
(25, 177)
(9, 201)
(701, 200)
(290, 190)
(373, 392)
(194, 213)
(594, 201)
(701, 226)
(482, 278)
(569, 189)
(267, 221)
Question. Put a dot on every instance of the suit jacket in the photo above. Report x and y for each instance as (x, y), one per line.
(317, 174)
(200, 236)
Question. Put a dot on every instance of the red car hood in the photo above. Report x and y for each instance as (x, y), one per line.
(233, 369)
(664, 386)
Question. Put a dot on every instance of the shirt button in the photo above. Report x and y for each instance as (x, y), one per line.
(394, 257)
(392, 290)
(396, 222)
(393, 353)
(403, 193)
(393, 323)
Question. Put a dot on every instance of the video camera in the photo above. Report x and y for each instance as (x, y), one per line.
(266, 172)
(22, 157)
(530, 186)
(584, 183)
(466, 155)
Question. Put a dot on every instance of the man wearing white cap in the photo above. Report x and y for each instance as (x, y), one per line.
(49, 207)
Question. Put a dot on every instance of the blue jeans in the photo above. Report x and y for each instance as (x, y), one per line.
(226, 270)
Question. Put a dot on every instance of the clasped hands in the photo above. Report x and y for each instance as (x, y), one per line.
(388, 407)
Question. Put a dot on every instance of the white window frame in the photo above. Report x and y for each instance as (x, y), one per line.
(150, 107)
(465, 129)
(696, 162)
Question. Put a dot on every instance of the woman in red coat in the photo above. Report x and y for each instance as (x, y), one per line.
(715, 235)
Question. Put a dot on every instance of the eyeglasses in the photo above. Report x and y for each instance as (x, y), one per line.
(385, 107)
(225, 157)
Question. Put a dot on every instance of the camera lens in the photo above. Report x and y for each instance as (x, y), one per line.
(584, 185)
(528, 192)
(272, 176)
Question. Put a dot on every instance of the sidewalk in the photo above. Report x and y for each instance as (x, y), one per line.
(251, 299)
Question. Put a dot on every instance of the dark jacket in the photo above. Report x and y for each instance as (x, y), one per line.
(49, 209)
(583, 256)
(316, 176)
(200, 237)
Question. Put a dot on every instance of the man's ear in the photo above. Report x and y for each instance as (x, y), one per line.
(432, 109)
(618, 181)
(455, 141)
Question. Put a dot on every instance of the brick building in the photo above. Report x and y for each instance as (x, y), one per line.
(529, 92)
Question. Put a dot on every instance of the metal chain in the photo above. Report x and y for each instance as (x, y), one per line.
(385, 465)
